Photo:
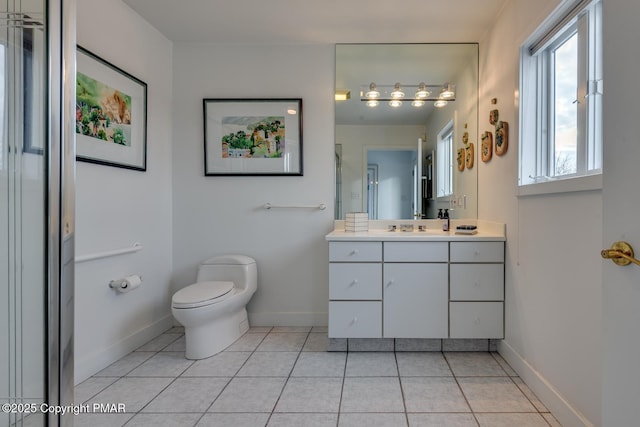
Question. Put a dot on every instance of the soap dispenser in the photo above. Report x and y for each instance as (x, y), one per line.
(445, 220)
(439, 213)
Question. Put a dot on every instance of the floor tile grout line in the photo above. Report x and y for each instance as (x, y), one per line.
(125, 375)
(455, 378)
(404, 403)
(344, 376)
(161, 391)
(234, 375)
(518, 386)
(284, 386)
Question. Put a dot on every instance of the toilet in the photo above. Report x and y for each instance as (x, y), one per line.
(213, 310)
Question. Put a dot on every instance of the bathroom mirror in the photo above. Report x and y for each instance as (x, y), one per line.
(403, 162)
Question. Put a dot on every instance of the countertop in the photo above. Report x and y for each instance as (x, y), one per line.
(487, 231)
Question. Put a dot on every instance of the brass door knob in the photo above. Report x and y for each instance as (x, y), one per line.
(621, 253)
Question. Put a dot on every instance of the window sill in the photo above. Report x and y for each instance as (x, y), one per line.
(568, 185)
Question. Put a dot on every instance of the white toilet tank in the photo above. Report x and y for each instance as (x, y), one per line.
(239, 269)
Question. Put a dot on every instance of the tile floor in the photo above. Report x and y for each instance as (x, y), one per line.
(284, 377)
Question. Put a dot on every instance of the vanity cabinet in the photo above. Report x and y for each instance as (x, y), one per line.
(416, 289)
(476, 290)
(355, 289)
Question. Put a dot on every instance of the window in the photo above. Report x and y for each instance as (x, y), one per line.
(560, 96)
(444, 156)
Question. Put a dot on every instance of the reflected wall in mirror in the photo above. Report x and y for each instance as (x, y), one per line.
(400, 162)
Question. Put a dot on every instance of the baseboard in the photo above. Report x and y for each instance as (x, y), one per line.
(566, 414)
(288, 319)
(99, 360)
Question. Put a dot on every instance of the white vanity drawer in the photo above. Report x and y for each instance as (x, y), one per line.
(355, 251)
(416, 251)
(476, 319)
(355, 281)
(476, 282)
(355, 319)
(477, 251)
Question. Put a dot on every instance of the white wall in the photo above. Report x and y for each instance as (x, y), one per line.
(553, 271)
(117, 207)
(216, 215)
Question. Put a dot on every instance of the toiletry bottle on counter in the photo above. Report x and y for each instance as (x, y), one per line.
(445, 220)
(439, 213)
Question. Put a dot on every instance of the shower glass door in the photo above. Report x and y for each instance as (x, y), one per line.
(23, 211)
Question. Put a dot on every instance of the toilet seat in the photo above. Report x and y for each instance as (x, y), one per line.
(201, 294)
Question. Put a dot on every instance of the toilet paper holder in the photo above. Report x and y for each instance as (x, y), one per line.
(126, 284)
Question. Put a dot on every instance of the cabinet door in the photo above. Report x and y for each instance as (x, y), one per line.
(482, 319)
(355, 319)
(415, 300)
(355, 251)
(355, 281)
(476, 282)
(477, 252)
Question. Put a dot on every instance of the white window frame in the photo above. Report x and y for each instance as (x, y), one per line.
(444, 162)
(537, 151)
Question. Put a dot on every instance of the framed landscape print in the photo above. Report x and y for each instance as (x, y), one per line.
(111, 114)
(252, 136)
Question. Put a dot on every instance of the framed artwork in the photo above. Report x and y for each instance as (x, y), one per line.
(111, 114)
(487, 146)
(502, 138)
(252, 137)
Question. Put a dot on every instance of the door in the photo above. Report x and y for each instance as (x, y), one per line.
(621, 212)
(37, 173)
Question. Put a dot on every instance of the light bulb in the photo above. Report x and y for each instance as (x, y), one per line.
(397, 91)
(373, 91)
(422, 91)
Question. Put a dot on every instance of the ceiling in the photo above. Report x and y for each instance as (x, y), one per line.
(319, 21)
(328, 22)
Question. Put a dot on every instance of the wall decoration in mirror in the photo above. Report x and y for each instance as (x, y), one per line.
(470, 156)
(487, 146)
(409, 97)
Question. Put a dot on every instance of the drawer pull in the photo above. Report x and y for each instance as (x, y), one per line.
(477, 321)
(476, 253)
(476, 283)
(353, 252)
(353, 282)
(354, 320)
(391, 282)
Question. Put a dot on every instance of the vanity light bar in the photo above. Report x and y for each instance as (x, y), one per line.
(420, 92)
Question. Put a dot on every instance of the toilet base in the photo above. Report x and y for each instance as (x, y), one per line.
(209, 339)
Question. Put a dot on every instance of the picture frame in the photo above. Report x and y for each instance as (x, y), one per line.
(252, 137)
(111, 114)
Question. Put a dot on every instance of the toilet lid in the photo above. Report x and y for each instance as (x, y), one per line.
(201, 294)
